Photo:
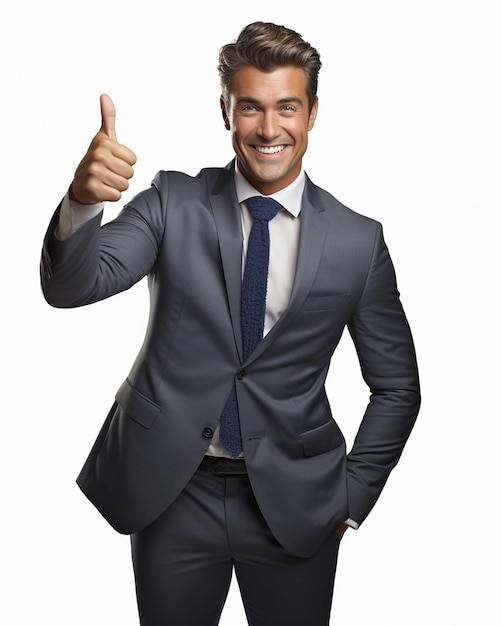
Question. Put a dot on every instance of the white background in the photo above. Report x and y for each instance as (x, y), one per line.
(408, 132)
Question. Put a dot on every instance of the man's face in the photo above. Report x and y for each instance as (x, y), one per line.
(269, 120)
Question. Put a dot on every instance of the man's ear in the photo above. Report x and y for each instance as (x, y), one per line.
(313, 114)
(224, 113)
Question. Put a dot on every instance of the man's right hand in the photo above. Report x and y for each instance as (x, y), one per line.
(105, 171)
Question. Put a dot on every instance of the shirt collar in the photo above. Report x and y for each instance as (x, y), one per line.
(289, 197)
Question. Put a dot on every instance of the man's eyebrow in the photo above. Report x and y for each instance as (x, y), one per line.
(290, 100)
(248, 100)
(287, 100)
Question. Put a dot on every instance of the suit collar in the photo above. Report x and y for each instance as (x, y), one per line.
(289, 198)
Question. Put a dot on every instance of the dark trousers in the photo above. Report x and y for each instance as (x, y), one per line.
(183, 562)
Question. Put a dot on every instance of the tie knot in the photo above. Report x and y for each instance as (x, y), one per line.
(263, 208)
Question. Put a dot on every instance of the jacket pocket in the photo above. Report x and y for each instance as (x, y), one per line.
(136, 406)
(326, 303)
(322, 439)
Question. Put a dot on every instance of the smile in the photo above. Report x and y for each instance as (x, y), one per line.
(269, 149)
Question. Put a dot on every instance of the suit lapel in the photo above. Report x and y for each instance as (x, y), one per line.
(226, 211)
(311, 245)
(228, 221)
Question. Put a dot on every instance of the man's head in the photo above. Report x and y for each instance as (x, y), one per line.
(266, 47)
(269, 102)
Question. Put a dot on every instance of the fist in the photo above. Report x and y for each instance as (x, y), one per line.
(104, 172)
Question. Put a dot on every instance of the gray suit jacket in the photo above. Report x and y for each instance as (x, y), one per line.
(184, 233)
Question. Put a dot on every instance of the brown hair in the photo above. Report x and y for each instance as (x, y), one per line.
(267, 46)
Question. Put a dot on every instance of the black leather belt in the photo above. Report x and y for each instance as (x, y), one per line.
(223, 466)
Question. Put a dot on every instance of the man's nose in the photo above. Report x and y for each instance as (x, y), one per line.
(269, 128)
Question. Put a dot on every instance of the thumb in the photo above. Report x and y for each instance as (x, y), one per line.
(108, 115)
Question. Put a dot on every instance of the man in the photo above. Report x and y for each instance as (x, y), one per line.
(220, 451)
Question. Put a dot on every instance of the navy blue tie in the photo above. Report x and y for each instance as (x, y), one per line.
(252, 307)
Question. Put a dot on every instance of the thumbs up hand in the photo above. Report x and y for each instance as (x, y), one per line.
(104, 172)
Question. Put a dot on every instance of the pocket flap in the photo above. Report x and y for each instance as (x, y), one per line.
(322, 439)
(138, 407)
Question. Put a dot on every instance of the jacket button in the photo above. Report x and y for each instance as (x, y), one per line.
(208, 433)
(241, 374)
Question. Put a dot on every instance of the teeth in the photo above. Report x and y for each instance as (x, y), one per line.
(269, 149)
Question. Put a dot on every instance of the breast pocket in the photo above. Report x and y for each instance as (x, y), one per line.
(326, 303)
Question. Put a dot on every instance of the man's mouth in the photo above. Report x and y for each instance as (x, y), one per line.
(269, 149)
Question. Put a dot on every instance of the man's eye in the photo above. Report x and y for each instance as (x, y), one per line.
(289, 108)
(249, 107)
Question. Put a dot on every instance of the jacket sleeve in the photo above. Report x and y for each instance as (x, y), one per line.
(97, 261)
(385, 349)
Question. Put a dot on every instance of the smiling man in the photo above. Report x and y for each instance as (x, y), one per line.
(220, 453)
(269, 116)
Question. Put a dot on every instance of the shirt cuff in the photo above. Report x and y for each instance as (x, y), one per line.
(73, 215)
(351, 523)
